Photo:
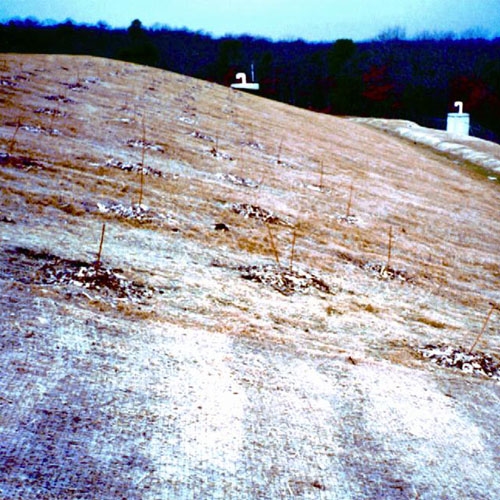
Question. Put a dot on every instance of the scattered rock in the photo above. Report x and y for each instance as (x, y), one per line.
(387, 272)
(282, 163)
(22, 77)
(7, 83)
(48, 111)
(133, 167)
(32, 128)
(220, 226)
(24, 162)
(146, 145)
(285, 281)
(78, 87)
(348, 219)
(135, 212)
(239, 181)
(318, 485)
(101, 279)
(254, 145)
(35, 129)
(58, 98)
(6, 219)
(461, 359)
(379, 270)
(254, 212)
(92, 80)
(199, 135)
(104, 282)
(219, 154)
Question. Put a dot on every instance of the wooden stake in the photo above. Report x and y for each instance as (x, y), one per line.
(294, 237)
(279, 151)
(321, 176)
(258, 190)
(56, 111)
(349, 203)
(142, 160)
(389, 248)
(142, 187)
(13, 140)
(493, 307)
(98, 262)
(273, 246)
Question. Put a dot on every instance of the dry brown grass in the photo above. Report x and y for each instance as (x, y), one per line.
(431, 322)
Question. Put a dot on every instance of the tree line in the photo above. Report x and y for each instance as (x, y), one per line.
(390, 76)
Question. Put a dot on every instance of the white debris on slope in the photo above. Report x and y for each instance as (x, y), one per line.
(472, 149)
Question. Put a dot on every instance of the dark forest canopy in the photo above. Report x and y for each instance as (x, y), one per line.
(390, 77)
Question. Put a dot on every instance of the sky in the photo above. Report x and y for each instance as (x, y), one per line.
(313, 20)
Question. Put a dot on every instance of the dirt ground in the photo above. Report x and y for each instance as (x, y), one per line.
(260, 317)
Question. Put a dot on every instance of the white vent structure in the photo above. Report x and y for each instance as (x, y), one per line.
(244, 84)
(458, 123)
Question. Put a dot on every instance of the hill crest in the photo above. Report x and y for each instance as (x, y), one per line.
(195, 363)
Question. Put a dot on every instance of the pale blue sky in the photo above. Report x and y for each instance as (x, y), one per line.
(277, 19)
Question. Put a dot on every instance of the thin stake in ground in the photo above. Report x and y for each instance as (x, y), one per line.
(292, 253)
(215, 149)
(251, 141)
(98, 261)
(13, 140)
(53, 116)
(321, 176)
(142, 159)
(278, 159)
(349, 203)
(259, 187)
(273, 245)
(389, 248)
(492, 308)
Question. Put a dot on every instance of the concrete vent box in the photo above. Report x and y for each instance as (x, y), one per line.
(458, 123)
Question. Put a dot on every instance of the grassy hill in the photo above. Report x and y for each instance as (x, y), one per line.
(259, 327)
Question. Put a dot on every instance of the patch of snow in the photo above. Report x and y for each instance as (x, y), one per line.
(187, 120)
(467, 148)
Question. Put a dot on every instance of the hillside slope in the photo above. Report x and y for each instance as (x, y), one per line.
(185, 362)
(477, 152)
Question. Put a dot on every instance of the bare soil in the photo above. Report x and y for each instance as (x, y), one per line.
(247, 332)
